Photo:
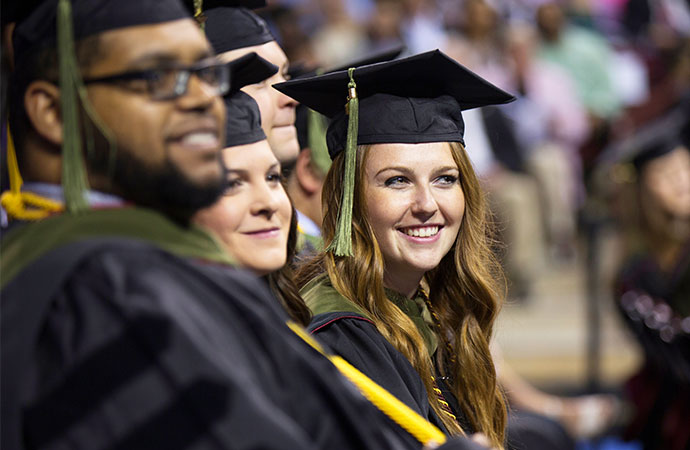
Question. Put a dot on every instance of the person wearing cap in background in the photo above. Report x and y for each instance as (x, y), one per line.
(305, 182)
(652, 288)
(234, 31)
(254, 218)
(404, 216)
(125, 326)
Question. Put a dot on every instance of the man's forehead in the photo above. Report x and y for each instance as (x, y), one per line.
(146, 45)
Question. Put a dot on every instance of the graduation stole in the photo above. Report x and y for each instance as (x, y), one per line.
(26, 243)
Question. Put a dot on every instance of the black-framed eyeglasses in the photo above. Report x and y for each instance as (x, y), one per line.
(168, 83)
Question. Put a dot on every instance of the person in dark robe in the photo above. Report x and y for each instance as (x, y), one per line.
(652, 288)
(123, 325)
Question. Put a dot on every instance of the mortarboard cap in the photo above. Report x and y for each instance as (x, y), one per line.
(36, 25)
(652, 141)
(311, 126)
(410, 100)
(243, 121)
(232, 28)
(249, 69)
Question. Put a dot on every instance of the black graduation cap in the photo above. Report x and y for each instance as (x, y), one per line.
(249, 69)
(409, 100)
(652, 141)
(232, 28)
(311, 126)
(386, 54)
(243, 121)
(36, 23)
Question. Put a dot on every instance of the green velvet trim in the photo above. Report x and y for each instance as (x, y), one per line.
(321, 297)
(26, 243)
(417, 310)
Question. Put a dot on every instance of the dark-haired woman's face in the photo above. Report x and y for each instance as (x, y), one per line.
(252, 219)
(415, 204)
(667, 181)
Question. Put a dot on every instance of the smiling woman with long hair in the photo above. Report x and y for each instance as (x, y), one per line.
(254, 219)
(408, 290)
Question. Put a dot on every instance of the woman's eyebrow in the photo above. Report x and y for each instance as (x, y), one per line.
(405, 170)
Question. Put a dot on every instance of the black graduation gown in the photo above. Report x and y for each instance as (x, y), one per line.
(356, 339)
(139, 348)
(352, 335)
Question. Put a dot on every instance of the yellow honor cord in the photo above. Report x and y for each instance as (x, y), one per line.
(426, 433)
(16, 202)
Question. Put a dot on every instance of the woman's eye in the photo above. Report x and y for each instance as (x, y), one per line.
(396, 181)
(274, 177)
(447, 179)
(232, 184)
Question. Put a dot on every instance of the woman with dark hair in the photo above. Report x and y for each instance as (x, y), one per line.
(408, 289)
(254, 219)
(653, 285)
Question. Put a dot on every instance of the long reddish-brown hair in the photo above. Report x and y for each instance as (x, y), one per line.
(464, 293)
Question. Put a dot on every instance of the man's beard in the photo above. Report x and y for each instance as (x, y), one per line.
(165, 188)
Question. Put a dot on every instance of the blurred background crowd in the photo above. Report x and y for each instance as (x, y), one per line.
(594, 79)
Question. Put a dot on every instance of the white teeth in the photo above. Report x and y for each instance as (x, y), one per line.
(421, 232)
(200, 138)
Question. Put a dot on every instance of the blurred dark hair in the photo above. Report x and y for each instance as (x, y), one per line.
(282, 281)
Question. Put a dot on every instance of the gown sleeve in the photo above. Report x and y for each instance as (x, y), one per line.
(124, 361)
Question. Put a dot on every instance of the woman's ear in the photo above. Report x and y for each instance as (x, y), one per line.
(42, 105)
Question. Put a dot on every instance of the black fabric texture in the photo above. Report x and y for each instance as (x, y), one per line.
(357, 340)
(527, 431)
(301, 112)
(385, 118)
(249, 69)
(210, 4)
(142, 349)
(243, 120)
(37, 26)
(232, 28)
